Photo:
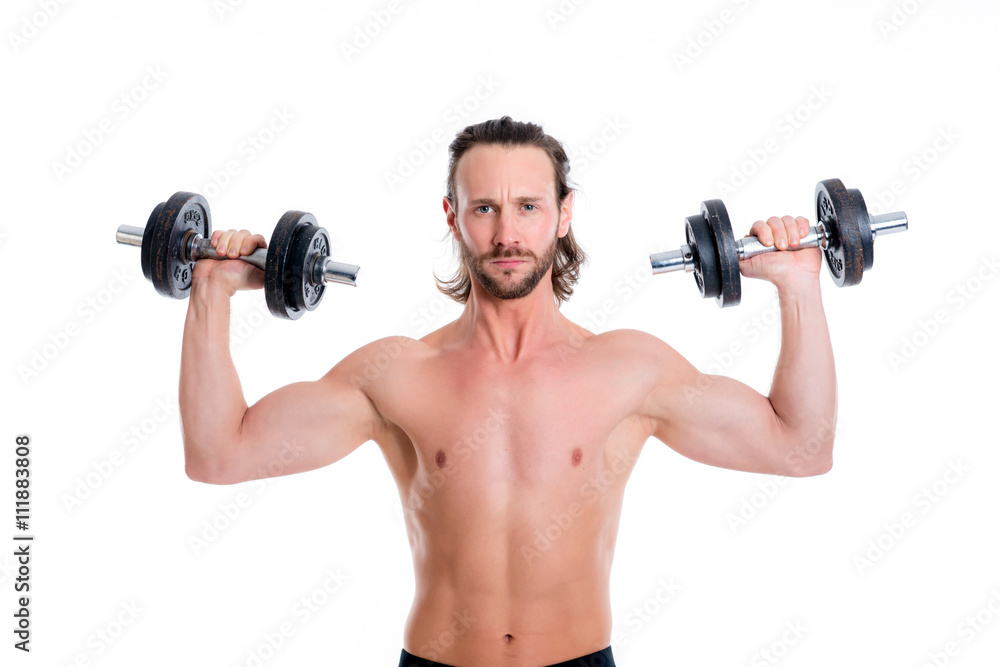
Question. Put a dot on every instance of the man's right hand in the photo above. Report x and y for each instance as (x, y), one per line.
(232, 275)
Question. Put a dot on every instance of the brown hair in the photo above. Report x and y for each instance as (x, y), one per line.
(569, 256)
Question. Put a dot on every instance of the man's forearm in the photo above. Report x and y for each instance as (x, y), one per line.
(211, 399)
(804, 389)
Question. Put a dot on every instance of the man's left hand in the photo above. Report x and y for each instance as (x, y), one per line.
(778, 267)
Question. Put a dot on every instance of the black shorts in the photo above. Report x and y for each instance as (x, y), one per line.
(599, 659)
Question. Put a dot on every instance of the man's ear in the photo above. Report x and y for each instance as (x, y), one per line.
(565, 214)
(449, 211)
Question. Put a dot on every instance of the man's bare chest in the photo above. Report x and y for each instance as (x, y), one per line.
(524, 424)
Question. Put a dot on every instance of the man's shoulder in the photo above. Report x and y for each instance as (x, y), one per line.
(373, 360)
(387, 348)
(630, 339)
(638, 346)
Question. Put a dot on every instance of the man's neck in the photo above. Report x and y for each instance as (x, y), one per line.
(506, 330)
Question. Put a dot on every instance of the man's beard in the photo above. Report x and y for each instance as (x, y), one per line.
(514, 289)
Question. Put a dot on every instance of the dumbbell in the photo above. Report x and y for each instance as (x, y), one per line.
(844, 231)
(296, 262)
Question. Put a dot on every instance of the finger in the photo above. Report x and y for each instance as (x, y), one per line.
(224, 239)
(791, 230)
(250, 243)
(803, 224)
(236, 243)
(778, 231)
(762, 232)
(215, 237)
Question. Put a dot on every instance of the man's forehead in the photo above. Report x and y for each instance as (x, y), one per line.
(489, 171)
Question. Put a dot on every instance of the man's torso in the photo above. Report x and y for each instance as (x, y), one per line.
(511, 478)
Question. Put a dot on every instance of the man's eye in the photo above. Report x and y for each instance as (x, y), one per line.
(530, 207)
(484, 206)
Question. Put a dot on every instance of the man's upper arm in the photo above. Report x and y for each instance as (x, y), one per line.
(306, 425)
(712, 419)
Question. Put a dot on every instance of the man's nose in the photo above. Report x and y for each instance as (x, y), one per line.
(507, 232)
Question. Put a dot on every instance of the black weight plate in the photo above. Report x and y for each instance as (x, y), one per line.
(706, 264)
(183, 213)
(838, 211)
(310, 248)
(865, 227)
(278, 266)
(147, 241)
(715, 214)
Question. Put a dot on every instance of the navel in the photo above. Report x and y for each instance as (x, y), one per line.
(577, 456)
(440, 458)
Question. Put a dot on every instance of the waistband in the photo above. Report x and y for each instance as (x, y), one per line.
(602, 658)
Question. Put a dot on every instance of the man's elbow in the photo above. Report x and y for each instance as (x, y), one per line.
(820, 466)
(197, 473)
(198, 469)
(809, 459)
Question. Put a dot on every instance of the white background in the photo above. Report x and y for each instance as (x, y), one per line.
(661, 106)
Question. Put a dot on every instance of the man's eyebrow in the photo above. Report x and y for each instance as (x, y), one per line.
(520, 200)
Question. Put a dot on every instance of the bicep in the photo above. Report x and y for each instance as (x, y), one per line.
(713, 419)
(306, 425)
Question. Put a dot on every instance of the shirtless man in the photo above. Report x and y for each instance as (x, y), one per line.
(511, 419)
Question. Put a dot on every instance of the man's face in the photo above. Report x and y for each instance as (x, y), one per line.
(507, 209)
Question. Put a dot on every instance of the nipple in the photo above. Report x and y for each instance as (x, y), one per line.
(440, 458)
(577, 456)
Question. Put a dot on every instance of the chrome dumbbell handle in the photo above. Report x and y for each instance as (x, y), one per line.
(750, 246)
(198, 247)
(682, 259)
